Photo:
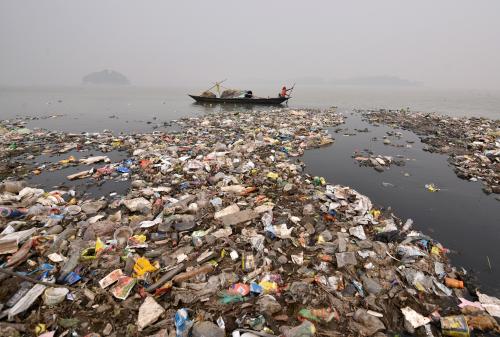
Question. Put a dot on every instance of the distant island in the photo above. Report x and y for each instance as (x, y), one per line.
(109, 77)
(369, 81)
(377, 81)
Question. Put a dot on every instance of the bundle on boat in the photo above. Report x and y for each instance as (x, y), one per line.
(208, 94)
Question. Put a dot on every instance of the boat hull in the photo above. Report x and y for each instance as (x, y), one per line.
(264, 101)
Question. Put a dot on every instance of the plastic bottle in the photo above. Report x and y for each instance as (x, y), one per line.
(25, 287)
(306, 329)
(6, 212)
(66, 233)
(248, 262)
(54, 219)
(175, 238)
(158, 236)
(122, 234)
(36, 210)
(13, 186)
(318, 315)
(428, 330)
(71, 263)
(453, 283)
(182, 323)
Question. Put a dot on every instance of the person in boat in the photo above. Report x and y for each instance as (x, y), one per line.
(284, 92)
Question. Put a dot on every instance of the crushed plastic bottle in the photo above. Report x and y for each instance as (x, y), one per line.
(182, 323)
(306, 329)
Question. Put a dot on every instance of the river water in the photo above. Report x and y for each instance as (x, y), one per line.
(460, 216)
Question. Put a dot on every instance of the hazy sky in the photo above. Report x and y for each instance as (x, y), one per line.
(452, 43)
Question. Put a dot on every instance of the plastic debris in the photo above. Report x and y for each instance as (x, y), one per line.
(306, 329)
(123, 287)
(27, 300)
(182, 323)
(455, 326)
(414, 318)
(217, 217)
(490, 304)
(53, 296)
(149, 312)
(431, 188)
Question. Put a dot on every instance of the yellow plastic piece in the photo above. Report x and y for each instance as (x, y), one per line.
(143, 266)
(435, 250)
(272, 175)
(40, 328)
(269, 287)
(375, 213)
(141, 238)
(99, 246)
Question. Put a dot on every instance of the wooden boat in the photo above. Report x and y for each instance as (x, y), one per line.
(243, 100)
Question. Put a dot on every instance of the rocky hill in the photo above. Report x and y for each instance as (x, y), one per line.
(109, 77)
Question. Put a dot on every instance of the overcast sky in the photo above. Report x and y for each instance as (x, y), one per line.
(452, 43)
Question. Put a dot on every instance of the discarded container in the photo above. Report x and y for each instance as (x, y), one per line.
(182, 323)
(455, 326)
(306, 329)
(6, 212)
(70, 264)
(318, 315)
(453, 283)
(12, 186)
(53, 296)
(240, 289)
(122, 234)
(248, 262)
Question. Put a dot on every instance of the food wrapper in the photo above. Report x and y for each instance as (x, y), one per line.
(123, 287)
(455, 326)
(110, 278)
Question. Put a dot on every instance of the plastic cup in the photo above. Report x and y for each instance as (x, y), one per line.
(53, 296)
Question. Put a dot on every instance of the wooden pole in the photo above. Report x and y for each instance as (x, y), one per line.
(216, 84)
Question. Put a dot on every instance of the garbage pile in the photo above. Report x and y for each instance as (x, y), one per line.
(472, 143)
(32, 154)
(390, 138)
(94, 158)
(223, 233)
(378, 162)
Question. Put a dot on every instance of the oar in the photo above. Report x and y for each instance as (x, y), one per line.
(290, 94)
